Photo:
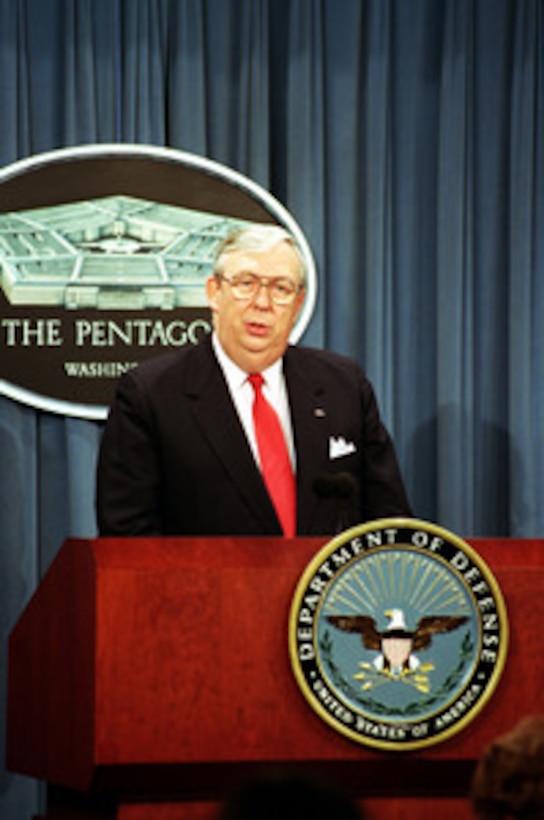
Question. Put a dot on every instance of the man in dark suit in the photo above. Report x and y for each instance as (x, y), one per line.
(179, 455)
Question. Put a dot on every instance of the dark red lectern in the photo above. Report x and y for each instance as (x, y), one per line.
(147, 676)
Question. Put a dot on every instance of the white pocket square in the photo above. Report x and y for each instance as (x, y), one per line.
(338, 447)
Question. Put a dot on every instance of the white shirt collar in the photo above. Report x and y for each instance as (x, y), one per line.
(236, 377)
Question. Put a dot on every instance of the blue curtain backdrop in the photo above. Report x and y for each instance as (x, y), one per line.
(407, 139)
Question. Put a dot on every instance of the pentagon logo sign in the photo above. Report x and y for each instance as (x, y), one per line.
(104, 255)
(398, 634)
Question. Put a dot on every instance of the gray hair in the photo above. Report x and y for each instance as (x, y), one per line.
(257, 238)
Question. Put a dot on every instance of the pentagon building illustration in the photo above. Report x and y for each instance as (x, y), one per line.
(112, 253)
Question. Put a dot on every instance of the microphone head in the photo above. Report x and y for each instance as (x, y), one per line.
(334, 485)
(345, 485)
(324, 485)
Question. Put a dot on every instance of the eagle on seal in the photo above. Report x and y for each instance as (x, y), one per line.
(396, 644)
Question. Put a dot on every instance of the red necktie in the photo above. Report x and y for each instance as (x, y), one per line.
(275, 462)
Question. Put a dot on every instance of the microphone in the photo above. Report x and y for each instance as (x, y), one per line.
(340, 486)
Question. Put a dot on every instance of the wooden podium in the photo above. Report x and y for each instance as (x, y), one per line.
(149, 676)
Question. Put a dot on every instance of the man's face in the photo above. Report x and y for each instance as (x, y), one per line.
(255, 333)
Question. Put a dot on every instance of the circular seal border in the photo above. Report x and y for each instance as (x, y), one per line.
(346, 550)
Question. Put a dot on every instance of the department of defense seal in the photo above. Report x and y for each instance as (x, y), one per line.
(398, 634)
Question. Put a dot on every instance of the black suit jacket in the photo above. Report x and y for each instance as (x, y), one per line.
(175, 460)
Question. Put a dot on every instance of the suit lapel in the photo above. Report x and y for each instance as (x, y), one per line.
(217, 419)
(311, 430)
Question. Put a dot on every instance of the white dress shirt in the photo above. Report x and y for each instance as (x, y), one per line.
(241, 391)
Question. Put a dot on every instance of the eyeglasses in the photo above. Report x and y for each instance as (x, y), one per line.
(246, 286)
